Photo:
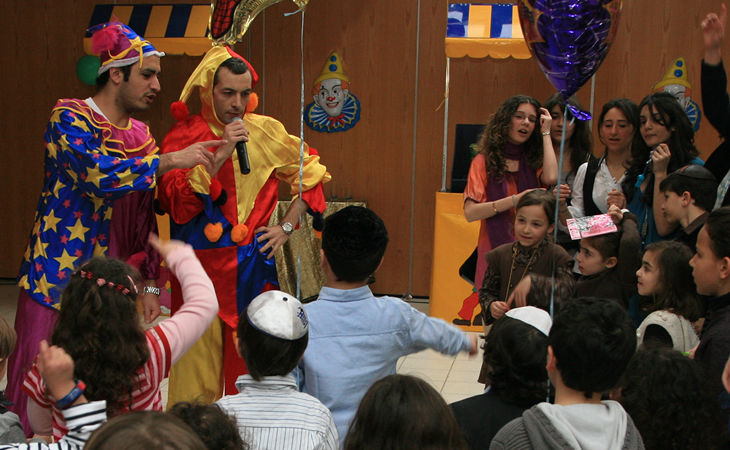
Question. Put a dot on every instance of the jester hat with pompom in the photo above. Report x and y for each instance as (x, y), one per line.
(203, 77)
(118, 45)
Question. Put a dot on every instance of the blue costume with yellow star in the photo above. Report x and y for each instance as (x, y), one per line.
(86, 170)
(92, 169)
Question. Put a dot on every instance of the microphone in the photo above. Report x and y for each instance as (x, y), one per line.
(242, 153)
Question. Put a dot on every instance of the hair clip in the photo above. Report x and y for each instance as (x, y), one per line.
(102, 282)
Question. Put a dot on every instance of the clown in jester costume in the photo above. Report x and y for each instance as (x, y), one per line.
(224, 213)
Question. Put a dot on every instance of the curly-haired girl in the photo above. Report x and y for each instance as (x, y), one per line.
(99, 327)
(513, 158)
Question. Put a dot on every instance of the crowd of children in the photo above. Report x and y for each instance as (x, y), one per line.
(322, 375)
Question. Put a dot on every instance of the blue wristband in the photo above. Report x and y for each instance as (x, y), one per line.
(72, 396)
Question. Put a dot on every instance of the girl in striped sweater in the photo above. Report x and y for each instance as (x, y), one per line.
(100, 328)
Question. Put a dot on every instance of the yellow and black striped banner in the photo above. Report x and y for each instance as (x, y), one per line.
(173, 29)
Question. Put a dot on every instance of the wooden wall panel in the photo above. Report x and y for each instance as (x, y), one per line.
(377, 40)
(373, 160)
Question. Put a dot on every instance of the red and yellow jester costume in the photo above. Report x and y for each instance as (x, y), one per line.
(218, 217)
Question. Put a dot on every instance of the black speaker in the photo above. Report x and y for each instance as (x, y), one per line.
(466, 138)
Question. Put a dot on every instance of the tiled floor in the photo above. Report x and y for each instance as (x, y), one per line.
(453, 376)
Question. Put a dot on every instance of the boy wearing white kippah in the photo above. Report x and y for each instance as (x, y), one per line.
(355, 337)
(515, 353)
(273, 332)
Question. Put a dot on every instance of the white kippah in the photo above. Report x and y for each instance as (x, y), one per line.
(536, 317)
(278, 314)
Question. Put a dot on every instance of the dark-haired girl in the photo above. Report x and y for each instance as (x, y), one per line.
(578, 150)
(99, 327)
(670, 399)
(665, 282)
(578, 141)
(521, 273)
(402, 412)
(598, 182)
(666, 144)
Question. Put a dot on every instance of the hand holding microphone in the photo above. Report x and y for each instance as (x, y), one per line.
(242, 153)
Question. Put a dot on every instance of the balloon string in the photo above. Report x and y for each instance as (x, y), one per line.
(557, 210)
(556, 218)
(301, 155)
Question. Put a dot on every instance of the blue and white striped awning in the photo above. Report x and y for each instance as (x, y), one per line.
(173, 29)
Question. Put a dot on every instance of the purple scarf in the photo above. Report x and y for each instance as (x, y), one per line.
(500, 227)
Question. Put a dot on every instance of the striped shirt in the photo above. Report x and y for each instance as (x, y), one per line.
(146, 397)
(81, 420)
(272, 414)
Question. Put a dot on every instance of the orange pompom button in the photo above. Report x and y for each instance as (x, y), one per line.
(213, 231)
(239, 233)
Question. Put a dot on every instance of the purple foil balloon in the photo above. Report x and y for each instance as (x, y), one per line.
(569, 38)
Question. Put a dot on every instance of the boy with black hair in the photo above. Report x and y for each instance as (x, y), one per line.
(689, 194)
(590, 345)
(356, 338)
(608, 262)
(272, 335)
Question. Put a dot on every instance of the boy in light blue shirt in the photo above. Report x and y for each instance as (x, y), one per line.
(356, 338)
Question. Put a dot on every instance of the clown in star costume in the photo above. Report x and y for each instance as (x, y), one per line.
(90, 165)
(218, 217)
(97, 199)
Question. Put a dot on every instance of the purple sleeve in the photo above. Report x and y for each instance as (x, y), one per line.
(133, 219)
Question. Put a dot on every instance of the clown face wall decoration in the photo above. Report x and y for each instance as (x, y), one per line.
(334, 107)
(675, 82)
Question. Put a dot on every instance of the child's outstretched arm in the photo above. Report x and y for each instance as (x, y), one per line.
(437, 334)
(201, 303)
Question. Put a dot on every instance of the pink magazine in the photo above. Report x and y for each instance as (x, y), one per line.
(584, 227)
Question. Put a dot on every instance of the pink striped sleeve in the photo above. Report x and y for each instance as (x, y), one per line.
(34, 387)
(161, 353)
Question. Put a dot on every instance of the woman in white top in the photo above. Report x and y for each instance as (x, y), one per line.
(618, 122)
